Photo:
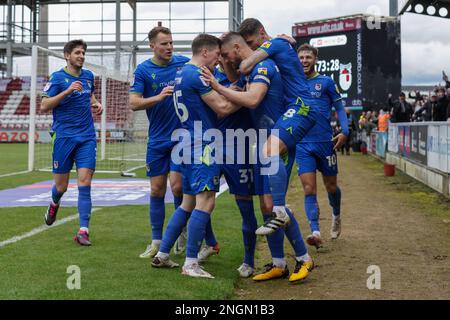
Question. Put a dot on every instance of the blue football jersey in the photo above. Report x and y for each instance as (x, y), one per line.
(238, 120)
(189, 89)
(272, 107)
(294, 79)
(325, 93)
(149, 80)
(72, 117)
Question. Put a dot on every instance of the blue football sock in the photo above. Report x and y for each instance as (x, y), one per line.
(249, 226)
(311, 209)
(157, 216)
(275, 241)
(56, 196)
(196, 232)
(84, 205)
(335, 201)
(278, 181)
(210, 239)
(174, 228)
(177, 201)
(294, 235)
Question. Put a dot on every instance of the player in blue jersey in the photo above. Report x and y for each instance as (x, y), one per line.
(316, 151)
(264, 98)
(197, 106)
(151, 90)
(69, 93)
(237, 171)
(299, 118)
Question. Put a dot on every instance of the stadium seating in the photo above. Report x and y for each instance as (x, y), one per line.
(15, 105)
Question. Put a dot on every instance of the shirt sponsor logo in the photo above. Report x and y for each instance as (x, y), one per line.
(262, 71)
(266, 44)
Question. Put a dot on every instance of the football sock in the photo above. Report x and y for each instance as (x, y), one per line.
(177, 201)
(157, 216)
(294, 235)
(249, 226)
(311, 208)
(278, 181)
(306, 257)
(279, 263)
(275, 241)
(335, 201)
(196, 232)
(84, 205)
(173, 229)
(210, 239)
(56, 196)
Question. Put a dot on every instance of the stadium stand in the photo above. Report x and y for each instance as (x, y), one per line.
(15, 104)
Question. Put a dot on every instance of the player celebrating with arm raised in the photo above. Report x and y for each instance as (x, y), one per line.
(151, 91)
(315, 151)
(299, 118)
(197, 106)
(70, 95)
(264, 98)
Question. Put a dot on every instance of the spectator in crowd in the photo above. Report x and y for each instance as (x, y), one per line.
(352, 128)
(417, 96)
(428, 111)
(383, 120)
(401, 110)
(442, 105)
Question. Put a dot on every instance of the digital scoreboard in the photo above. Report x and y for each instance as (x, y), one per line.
(361, 53)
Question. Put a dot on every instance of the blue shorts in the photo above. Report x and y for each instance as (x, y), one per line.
(239, 178)
(295, 124)
(159, 159)
(66, 151)
(317, 156)
(198, 178)
(262, 185)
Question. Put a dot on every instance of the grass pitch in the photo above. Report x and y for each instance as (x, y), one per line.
(36, 267)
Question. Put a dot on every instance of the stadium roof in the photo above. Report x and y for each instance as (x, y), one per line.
(28, 3)
(434, 8)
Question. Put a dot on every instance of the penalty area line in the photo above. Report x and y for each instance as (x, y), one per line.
(40, 229)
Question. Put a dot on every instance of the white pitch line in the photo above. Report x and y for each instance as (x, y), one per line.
(40, 229)
(13, 174)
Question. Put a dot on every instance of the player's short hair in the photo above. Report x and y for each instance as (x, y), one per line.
(230, 37)
(204, 40)
(308, 47)
(249, 27)
(157, 30)
(72, 44)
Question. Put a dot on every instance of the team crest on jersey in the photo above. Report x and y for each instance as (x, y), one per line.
(47, 86)
(262, 71)
(266, 44)
(55, 164)
(318, 86)
(345, 76)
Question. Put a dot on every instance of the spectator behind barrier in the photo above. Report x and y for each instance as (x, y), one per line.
(383, 120)
(442, 105)
(401, 110)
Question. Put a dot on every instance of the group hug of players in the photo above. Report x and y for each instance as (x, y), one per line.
(242, 80)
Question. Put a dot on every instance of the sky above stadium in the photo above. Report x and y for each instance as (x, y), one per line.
(425, 40)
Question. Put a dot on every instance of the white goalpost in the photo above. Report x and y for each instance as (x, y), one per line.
(121, 134)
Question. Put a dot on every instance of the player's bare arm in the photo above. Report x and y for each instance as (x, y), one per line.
(220, 104)
(249, 99)
(49, 103)
(248, 64)
(96, 107)
(138, 102)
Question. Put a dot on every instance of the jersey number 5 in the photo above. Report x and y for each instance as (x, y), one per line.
(179, 106)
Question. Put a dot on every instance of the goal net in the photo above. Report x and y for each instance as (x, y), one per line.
(121, 133)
